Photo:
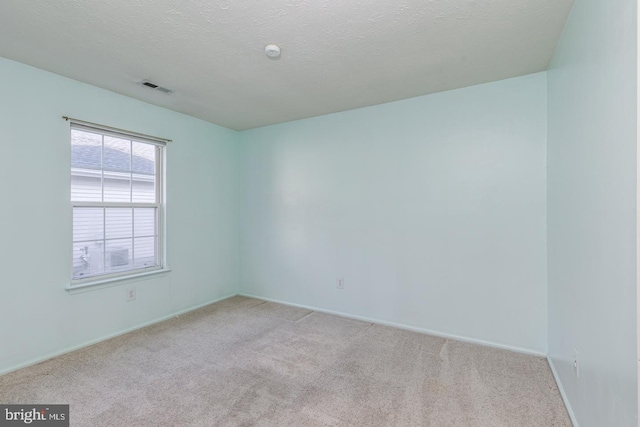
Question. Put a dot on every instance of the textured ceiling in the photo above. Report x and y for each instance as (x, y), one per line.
(336, 55)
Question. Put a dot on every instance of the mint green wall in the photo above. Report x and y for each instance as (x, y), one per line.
(38, 318)
(592, 136)
(432, 209)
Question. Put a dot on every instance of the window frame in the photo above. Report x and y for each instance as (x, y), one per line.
(159, 205)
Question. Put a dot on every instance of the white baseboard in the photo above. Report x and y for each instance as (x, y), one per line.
(562, 393)
(48, 356)
(406, 327)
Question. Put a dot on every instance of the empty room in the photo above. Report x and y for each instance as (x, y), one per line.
(319, 213)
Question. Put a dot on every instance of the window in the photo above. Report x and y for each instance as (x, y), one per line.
(116, 194)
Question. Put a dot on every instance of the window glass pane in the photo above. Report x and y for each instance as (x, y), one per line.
(88, 259)
(86, 187)
(145, 252)
(86, 150)
(117, 154)
(143, 189)
(119, 223)
(86, 165)
(118, 255)
(88, 224)
(144, 224)
(87, 242)
(144, 158)
(144, 169)
(117, 187)
(117, 169)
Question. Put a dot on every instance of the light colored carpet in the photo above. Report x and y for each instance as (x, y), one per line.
(245, 362)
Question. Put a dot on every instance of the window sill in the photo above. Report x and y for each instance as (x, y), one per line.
(94, 285)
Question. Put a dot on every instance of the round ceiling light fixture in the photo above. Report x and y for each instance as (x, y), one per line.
(272, 50)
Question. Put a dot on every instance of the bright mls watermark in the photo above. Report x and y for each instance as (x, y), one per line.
(36, 415)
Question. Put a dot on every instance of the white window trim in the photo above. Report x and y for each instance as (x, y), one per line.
(112, 279)
(104, 282)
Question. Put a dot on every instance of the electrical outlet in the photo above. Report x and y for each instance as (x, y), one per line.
(131, 294)
(340, 284)
(576, 366)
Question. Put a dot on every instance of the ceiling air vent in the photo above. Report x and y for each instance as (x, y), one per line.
(147, 83)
